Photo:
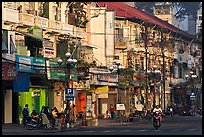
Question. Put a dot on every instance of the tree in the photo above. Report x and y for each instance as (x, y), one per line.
(183, 8)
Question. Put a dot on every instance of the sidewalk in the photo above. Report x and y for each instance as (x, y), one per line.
(19, 129)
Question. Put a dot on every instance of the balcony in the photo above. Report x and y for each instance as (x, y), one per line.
(79, 32)
(55, 25)
(67, 29)
(26, 19)
(41, 22)
(10, 16)
(120, 44)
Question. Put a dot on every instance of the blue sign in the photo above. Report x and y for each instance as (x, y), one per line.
(24, 63)
(69, 94)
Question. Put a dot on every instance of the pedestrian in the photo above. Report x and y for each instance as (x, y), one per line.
(67, 113)
(112, 111)
(55, 116)
(26, 114)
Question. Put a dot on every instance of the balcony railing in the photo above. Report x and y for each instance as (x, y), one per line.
(79, 32)
(10, 15)
(55, 25)
(26, 19)
(67, 29)
(41, 22)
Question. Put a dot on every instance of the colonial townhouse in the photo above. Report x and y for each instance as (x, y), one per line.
(156, 51)
(40, 33)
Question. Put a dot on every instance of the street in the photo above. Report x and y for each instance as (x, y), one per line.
(178, 125)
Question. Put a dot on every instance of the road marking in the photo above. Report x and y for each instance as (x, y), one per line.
(89, 131)
(142, 130)
(108, 131)
(125, 130)
(192, 129)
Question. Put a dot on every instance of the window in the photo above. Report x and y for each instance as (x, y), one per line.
(116, 57)
(200, 17)
(118, 33)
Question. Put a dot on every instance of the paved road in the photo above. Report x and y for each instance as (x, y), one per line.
(170, 126)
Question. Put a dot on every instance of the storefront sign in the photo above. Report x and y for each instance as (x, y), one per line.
(8, 71)
(102, 95)
(81, 85)
(48, 49)
(100, 89)
(55, 71)
(36, 92)
(120, 107)
(24, 63)
(38, 65)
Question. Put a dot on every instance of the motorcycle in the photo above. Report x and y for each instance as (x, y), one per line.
(169, 112)
(40, 123)
(156, 120)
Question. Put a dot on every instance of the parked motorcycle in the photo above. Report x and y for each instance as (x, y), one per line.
(169, 112)
(40, 123)
(156, 120)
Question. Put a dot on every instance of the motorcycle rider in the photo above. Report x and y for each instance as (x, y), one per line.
(35, 116)
(157, 109)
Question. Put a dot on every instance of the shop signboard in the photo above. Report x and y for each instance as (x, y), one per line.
(100, 89)
(120, 107)
(8, 71)
(48, 49)
(38, 65)
(24, 63)
(55, 71)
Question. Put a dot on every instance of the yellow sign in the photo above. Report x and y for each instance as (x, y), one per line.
(100, 89)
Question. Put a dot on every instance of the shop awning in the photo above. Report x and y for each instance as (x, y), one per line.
(87, 46)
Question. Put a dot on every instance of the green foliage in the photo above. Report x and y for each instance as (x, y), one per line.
(30, 30)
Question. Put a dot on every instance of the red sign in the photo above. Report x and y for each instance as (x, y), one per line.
(8, 71)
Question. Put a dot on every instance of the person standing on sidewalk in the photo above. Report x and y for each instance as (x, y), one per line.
(112, 111)
(26, 114)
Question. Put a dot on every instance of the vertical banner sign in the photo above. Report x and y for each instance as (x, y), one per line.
(48, 49)
(69, 94)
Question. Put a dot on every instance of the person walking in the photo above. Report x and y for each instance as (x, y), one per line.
(26, 114)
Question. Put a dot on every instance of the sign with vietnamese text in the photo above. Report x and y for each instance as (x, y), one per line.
(8, 71)
(39, 65)
(24, 63)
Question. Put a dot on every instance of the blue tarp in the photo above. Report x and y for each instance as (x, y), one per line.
(22, 83)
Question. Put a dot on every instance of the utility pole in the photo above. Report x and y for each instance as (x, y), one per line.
(144, 37)
(163, 57)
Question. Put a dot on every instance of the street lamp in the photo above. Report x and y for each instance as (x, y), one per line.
(154, 73)
(111, 68)
(67, 75)
(145, 39)
(192, 77)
